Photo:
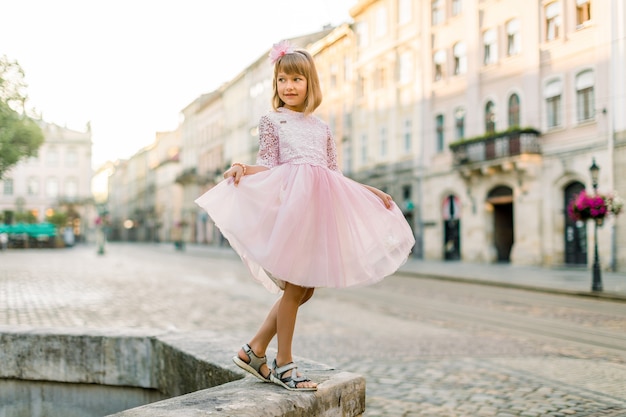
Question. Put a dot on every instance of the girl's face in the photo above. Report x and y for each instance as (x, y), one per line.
(292, 90)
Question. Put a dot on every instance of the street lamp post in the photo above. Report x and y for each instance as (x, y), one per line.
(596, 284)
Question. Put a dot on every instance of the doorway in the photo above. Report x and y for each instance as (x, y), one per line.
(451, 228)
(501, 198)
(575, 230)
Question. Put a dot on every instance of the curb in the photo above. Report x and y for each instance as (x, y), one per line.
(602, 295)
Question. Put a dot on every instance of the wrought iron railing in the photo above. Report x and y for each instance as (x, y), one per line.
(495, 146)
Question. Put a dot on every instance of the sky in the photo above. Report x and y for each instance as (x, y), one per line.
(128, 67)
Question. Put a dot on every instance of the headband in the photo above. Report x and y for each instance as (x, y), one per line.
(279, 50)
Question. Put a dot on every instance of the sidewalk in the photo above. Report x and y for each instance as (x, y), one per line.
(572, 281)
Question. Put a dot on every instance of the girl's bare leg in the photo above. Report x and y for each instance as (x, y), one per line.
(269, 328)
(293, 297)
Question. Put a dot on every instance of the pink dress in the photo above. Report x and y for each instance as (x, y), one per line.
(302, 221)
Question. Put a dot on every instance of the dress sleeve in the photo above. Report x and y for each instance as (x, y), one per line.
(331, 151)
(268, 144)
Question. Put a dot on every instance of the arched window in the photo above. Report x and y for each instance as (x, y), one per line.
(490, 117)
(514, 110)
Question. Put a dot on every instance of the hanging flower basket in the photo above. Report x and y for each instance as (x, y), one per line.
(598, 206)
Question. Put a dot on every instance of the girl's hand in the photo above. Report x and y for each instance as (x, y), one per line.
(386, 198)
(236, 171)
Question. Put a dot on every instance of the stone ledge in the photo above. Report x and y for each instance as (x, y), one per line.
(195, 369)
(340, 394)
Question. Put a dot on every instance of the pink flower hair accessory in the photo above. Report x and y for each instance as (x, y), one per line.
(279, 50)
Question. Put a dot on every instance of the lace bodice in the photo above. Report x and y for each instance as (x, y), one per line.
(290, 137)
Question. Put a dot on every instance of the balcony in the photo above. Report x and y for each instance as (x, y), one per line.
(188, 176)
(512, 142)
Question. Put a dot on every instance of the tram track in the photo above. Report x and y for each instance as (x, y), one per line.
(403, 299)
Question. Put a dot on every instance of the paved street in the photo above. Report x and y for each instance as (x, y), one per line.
(426, 347)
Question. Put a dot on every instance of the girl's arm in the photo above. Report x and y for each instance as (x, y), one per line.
(238, 170)
(331, 152)
(267, 156)
(386, 198)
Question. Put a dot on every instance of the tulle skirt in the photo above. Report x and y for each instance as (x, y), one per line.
(309, 226)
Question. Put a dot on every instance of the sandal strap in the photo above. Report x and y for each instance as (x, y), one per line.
(282, 369)
(292, 380)
(298, 379)
(255, 361)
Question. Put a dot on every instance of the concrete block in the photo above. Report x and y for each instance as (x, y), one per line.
(195, 369)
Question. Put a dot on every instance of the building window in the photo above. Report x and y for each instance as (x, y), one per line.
(405, 11)
(514, 111)
(52, 187)
(583, 12)
(334, 70)
(585, 108)
(347, 157)
(360, 87)
(408, 137)
(380, 78)
(7, 186)
(405, 72)
(362, 35)
(553, 21)
(439, 133)
(52, 157)
(490, 117)
(71, 188)
(383, 142)
(437, 12)
(347, 120)
(513, 37)
(32, 186)
(457, 7)
(332, 122)
(406, 198)
(381, 22)
(364, 149)
(71, 158)
(459, 123)
(460, 58)
(490, 47)
(439, 61)
(552, 95)
(347, 68)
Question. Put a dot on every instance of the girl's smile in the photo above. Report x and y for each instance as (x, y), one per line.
(292, 90)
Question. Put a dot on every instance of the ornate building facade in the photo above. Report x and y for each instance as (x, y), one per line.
(480, 117)
(58, 179)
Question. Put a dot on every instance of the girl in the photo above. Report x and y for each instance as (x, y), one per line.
(296, 221)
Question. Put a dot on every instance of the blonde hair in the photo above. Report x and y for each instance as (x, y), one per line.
(299, 62)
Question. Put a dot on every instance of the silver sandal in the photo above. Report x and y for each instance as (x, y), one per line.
(254, 366)
(289, 382)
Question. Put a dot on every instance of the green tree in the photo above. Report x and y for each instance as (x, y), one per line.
(20, 136)
(25, 217)
(58, 219)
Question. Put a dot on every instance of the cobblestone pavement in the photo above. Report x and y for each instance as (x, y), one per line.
(420, 358)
